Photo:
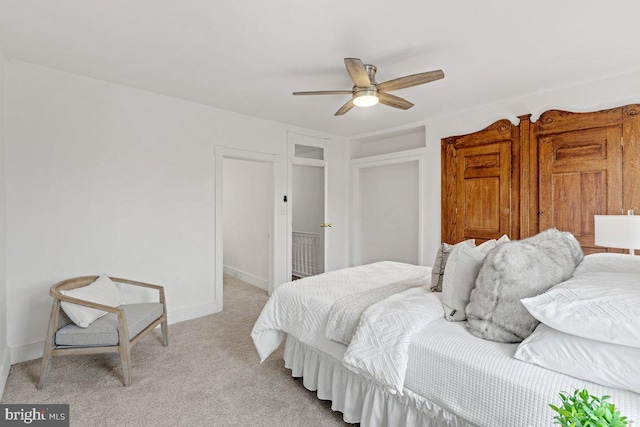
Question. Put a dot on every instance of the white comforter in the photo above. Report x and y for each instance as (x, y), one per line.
(379, 348)
(301, 308)
(346, 312)
(381, 331)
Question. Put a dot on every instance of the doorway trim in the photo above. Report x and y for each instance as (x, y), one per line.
(313, 141)
(415, 155)
(221, 153)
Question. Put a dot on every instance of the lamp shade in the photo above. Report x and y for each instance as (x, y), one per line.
(618, 231)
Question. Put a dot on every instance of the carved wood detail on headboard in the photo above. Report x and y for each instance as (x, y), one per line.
(563, 169)
(481, 183)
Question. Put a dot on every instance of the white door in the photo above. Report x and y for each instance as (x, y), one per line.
(308, 192)
(308, 220)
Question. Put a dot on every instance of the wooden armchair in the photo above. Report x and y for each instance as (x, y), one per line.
(116, 332)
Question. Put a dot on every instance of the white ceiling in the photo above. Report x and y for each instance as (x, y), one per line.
(248, 56)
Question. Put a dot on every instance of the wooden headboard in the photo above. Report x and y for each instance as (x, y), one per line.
(558, 171)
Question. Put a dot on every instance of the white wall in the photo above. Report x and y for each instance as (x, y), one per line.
(247, 208)
(389, 213)
(103, 178)
(4, 348)
(308, 198)
(388, 142)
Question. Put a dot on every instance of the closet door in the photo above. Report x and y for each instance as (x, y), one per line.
(580, 173)
(483, 191)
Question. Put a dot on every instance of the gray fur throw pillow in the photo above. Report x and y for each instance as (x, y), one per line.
(513, 271)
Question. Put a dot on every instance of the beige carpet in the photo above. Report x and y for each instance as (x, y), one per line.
(209, 375)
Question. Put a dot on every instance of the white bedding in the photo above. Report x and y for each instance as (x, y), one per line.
(482, 382)
(360, 399)
(345, 314)
(379, 348)
(301, 308)
(475, 379)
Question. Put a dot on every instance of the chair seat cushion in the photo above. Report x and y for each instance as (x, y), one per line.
(104, 331)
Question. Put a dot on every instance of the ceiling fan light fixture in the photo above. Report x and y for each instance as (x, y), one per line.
(365, 98)
(366, 92)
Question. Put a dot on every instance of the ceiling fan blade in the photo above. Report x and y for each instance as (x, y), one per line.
(356, 70)
(325, 92)
(410, 81)
(394, 101)
(345, 108)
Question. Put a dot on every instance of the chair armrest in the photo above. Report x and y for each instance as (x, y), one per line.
(85, 303)
(134, 283)
(159, 288)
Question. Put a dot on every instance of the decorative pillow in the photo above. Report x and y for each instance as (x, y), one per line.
(459, 278)
(503, 239)
(489, 245)
(441, 260)
(101, 291)
(606, 262)
(516, 270)
(607, 364)
(599, 306)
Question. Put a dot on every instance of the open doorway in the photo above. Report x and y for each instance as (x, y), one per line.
(309, 226)
(246, 221)
(259, 226)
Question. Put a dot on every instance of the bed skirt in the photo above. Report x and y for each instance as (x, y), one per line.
(359, 399)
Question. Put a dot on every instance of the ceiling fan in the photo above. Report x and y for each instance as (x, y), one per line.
(367, 92)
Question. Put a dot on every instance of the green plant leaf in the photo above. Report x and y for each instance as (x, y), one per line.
(581, 409)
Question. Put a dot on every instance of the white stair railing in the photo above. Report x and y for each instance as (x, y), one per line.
(306, 254)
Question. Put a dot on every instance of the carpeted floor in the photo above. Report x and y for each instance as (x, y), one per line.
(209, 375)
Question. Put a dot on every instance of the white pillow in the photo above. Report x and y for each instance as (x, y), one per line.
(503, 238)
(460, 275)
(599, 306)
(607, 364)
(606, 262)
(437, 272)
(487, 246)
(459, 279)
(101, 291)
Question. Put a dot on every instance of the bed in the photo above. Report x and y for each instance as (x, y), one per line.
(414, 367)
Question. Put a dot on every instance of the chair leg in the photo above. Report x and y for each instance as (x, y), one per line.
(125, 359)
(125, 349)
(46, 355)
(44, 370)
(165, 333)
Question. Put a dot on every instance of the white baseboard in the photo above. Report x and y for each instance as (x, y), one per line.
(27, 352)
(5, 365)
(34, 351)
(193, 312)
(251, 279)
